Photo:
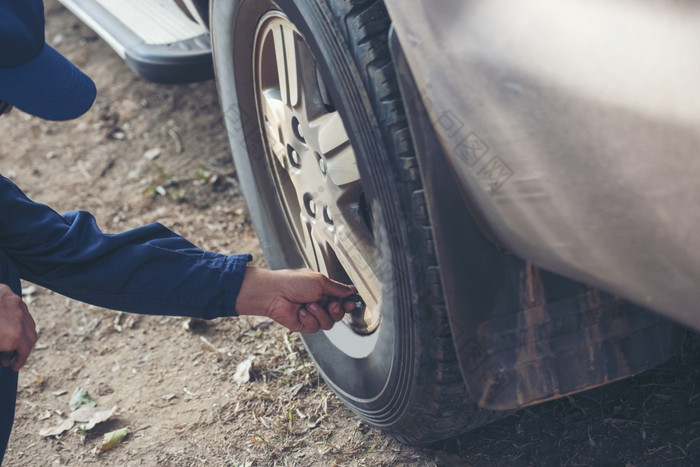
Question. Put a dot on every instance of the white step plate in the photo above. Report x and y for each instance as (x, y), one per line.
(154, 21)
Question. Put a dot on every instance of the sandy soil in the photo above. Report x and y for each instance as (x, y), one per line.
(148, 152)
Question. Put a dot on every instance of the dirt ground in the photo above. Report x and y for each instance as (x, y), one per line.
(148, 152)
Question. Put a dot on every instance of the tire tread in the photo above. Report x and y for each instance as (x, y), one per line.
(442, 400)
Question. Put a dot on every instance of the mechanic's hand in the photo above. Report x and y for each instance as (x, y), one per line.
(17, 330)
(301, 300)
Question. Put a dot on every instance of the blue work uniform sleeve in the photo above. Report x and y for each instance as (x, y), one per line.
(148, 270)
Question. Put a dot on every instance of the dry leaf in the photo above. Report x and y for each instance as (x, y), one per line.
(242, 374)
(91, 416)
(64, 426)
(152, 154)
(86, 414)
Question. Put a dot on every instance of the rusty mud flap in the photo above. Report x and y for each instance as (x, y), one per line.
(544, 349)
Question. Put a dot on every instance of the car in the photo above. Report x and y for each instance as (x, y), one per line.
(512, 189)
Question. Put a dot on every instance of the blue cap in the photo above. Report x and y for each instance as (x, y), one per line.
(33, 76)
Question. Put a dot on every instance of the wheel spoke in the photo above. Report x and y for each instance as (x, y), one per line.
(357, 254)
(286, 57)
(309, 245)
(273, 110)
(354, 253)
(274, 114)
(327, 135)
(291, 62)
(342, 168)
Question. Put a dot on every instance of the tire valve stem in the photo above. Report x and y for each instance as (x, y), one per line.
(360, 304)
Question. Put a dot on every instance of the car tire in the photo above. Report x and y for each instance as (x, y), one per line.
(285, 69)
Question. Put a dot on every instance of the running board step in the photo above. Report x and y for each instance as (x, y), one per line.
(155, 37)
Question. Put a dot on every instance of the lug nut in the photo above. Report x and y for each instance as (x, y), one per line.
(357, 300)
(310, 204)
(296, 160)
(327, 215)
(296, 128)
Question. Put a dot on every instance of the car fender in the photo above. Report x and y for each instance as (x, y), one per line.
(573, 129)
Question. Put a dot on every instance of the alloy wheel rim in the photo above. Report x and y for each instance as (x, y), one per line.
(314, 167)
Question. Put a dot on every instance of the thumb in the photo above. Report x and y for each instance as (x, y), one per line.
(336, 289)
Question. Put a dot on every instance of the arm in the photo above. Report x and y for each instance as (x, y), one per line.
(148, 270)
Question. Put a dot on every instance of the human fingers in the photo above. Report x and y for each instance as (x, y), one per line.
(26, 344)
(338, 310)
(27, 339)
(23, 351)
(6, 358)
(336, 289)
(309, 324)
(321, 315)
(349, 306)
(29, 326)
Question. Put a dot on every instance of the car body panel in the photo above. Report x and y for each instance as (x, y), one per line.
(573, 128)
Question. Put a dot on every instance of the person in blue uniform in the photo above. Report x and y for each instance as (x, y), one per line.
(148, 270)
